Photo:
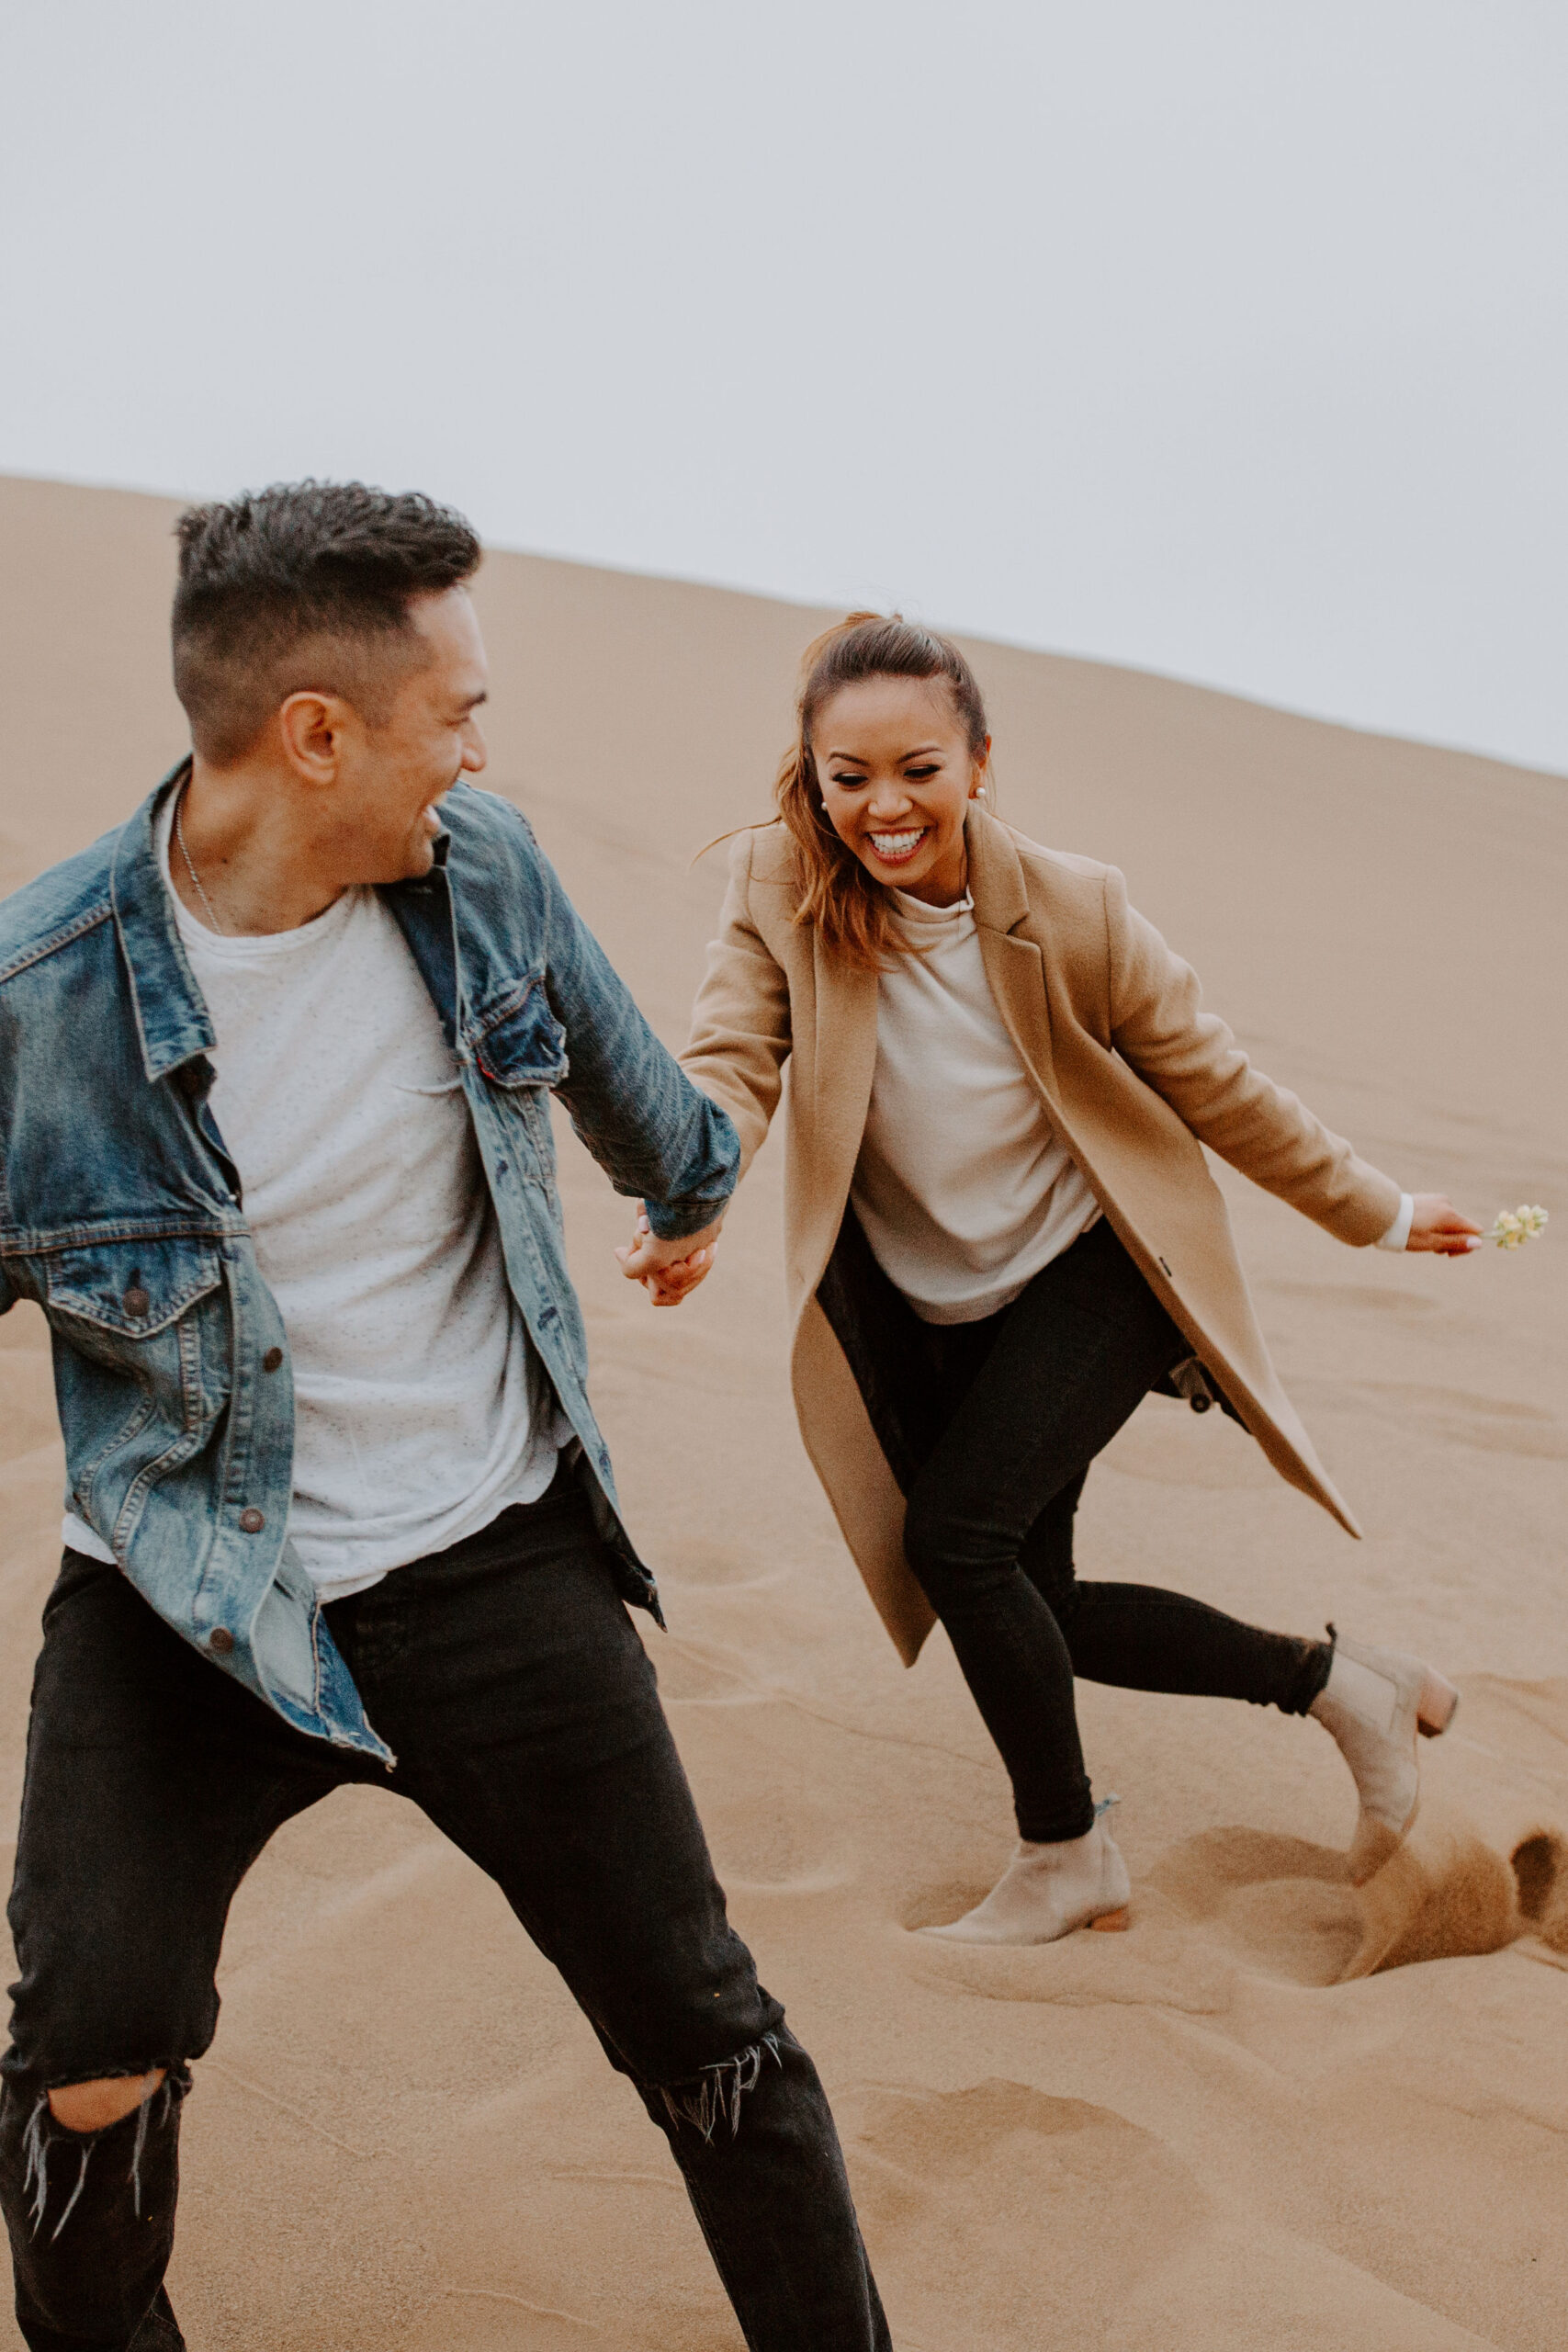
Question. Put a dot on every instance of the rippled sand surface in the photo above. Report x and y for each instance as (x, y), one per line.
(1275, 2114)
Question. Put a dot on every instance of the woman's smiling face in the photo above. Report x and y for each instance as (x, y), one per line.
(896, 776)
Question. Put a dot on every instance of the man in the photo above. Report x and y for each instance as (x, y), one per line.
(277, 1165)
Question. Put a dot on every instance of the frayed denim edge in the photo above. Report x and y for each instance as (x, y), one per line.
(36, 2144)
(714, 2097)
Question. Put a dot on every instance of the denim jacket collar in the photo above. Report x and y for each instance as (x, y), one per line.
(172, 1023)
(171, 1019)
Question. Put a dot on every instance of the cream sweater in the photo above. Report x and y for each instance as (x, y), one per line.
(962, 1189)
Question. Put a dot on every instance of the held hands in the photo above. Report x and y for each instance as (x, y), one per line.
(668, 1270)
(1438, 1225)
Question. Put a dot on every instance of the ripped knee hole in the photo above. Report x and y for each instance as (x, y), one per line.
(98, 2106)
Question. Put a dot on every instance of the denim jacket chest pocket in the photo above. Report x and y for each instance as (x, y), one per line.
(517, 1041)
(520, 1047)
(110, 1295)
(146, 1344)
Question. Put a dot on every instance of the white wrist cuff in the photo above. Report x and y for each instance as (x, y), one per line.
(1398, 1234)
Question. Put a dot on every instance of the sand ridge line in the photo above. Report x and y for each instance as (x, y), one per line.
(226, 2072)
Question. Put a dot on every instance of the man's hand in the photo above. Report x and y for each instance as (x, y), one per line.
(1438, 1225)
(668, 1270)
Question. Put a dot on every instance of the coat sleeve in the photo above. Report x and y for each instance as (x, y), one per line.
(741, 1022)
(1160, 1026)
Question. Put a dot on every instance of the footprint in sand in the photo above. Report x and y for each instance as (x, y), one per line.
(1282, 1905)
(954, 2188)
(778, 1849)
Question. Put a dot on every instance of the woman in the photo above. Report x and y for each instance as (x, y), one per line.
(1002, 1234)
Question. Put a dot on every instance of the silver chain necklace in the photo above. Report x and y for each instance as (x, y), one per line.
(209, 909)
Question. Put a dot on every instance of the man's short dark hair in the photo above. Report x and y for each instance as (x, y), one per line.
(304, 586)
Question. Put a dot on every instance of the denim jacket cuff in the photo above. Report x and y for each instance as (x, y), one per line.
(675, 1221)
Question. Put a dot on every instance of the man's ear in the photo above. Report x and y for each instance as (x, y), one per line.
(311, 729)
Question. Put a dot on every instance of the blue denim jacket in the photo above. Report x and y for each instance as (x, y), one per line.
(120, 1211)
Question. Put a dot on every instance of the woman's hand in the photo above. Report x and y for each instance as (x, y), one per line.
(667, 1271)
(1438, 1225)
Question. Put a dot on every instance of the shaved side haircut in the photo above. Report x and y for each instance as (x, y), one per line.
(305, 587)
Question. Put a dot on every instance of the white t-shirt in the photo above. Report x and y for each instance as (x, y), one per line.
(420, 1410)
(963, 1187)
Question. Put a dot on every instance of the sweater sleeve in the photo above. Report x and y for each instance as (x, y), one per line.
(740, 1023)
(1160, 1026)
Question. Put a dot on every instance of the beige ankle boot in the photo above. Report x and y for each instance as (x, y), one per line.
(1375, 1702)
(1047, 1891)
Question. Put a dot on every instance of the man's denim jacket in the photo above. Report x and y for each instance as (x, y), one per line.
(120, 1211)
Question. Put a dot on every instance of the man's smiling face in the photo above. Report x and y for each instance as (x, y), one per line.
(396, 772)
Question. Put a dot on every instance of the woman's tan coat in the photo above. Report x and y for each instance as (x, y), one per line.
(1131, 1072)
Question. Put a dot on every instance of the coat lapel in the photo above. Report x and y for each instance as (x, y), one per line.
(845, 1066)
(1014, 965)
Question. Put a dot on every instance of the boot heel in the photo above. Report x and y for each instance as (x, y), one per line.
(1112, 1923)
(1435, 1711)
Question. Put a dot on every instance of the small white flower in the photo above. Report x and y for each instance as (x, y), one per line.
(1513, 1227)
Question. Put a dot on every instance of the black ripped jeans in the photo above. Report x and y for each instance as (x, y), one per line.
(507, 1678)
(991, 1427)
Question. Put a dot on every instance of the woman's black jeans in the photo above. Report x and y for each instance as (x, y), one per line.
(506, 1676)
(990, 1428)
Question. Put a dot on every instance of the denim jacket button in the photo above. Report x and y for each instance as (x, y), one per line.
(272, 1359)
(221, 1640)
(252, 1521)
(137, 1300)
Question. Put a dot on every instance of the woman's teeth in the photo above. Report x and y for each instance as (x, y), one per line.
(893, 847)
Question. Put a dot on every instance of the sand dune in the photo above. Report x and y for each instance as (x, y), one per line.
(1277, 2113)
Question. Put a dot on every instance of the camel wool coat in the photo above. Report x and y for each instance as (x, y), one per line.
(1134, 1077)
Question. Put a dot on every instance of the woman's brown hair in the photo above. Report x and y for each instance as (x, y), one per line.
(838, 896)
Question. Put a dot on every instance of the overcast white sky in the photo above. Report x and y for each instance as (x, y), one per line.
(1227, 338)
